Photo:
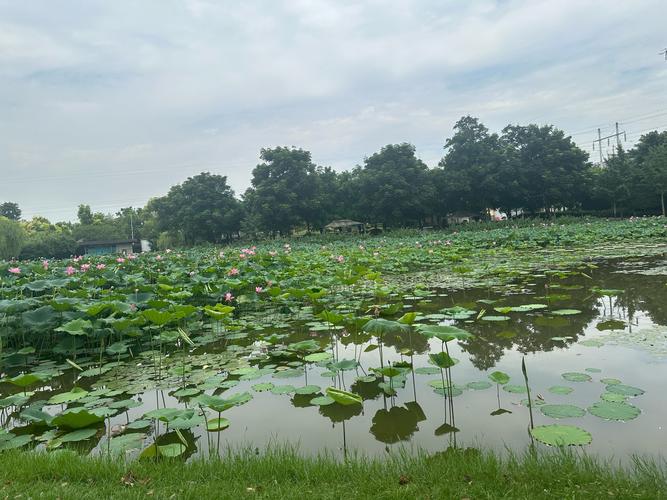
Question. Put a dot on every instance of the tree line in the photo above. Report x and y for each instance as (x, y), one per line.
(524, 170)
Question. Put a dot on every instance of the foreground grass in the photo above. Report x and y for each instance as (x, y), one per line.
(285, 474)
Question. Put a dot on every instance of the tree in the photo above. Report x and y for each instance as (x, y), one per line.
(85, 214)
(201, 209)
(10, 210)
(284, 191)
(655, 170)
(545, 168)
(12, 237)
(393, 186)
(615, 180)
(472, 179)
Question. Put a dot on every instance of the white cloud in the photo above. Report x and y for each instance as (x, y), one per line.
(111, 103)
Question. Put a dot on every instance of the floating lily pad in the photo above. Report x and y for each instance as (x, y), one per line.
(562, 411)
(614, 411)
(283, 389)
(495, 318)
(515, 389)
(444, 391)
(322, 401)
(610, 381)
(534, 402)
(478, 386)
(267, 386)
(561, 435)
(560, 389)
(427, 370)
(317, 356)
(308, 389)
(576, 377)
(613, 398)
(625, 390)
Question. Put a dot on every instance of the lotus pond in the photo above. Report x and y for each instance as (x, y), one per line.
(551, 335)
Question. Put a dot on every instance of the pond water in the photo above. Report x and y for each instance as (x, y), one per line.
(609, 323)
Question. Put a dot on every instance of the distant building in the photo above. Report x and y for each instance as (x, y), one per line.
(344, 225)
(104, 247)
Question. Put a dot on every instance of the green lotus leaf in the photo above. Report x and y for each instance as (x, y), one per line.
(561, 435)
(562, 411)
(499, 378)
(342, 397)
(478, 386)
(560, 389)
(217, 424)
(308, 389)
(77, 418)
(516, 389)
(322, 401)
(576, 377)
(625, 390)
(614, 411)
(76, 327)
(67, 397)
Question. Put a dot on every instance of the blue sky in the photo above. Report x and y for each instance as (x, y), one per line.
(111, 103)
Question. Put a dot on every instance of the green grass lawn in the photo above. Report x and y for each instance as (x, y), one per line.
(286, 474)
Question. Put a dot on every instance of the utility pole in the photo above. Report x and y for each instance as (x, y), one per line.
(599, 140)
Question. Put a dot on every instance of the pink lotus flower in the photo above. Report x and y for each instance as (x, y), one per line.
(258, 289)
(229, 297)
(241, 256)
(340, 259)
(100, 266)
(233, 271)
(159, 257)
(131, 256)
(14, 270)
(133, 307)
(85, 267)
(45, 265)
(120, 260)
(69, 270)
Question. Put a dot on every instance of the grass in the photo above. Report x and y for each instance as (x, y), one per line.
(283, 473)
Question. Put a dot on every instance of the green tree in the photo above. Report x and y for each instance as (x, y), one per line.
(394, 186)
(10, 210)
(545, 169)
(615, 180)
(655, 170)
(12, 237)
(472, 162)
(284, 192)
(85, 214)
(201, 209)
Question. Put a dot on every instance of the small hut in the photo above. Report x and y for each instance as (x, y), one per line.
(344, 226)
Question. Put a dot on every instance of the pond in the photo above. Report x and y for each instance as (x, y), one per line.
(593, 339)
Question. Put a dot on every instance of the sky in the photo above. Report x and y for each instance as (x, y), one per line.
(111, 103)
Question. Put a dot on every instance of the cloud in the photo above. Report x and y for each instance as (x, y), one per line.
(110, 103)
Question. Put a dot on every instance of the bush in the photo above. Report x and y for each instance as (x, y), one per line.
(48, 245)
